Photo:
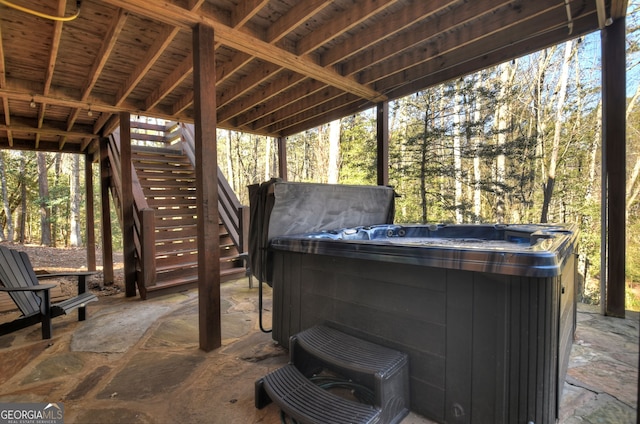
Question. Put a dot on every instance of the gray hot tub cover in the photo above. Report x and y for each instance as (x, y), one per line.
(282, 208)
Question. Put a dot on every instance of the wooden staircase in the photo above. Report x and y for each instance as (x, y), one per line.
(167, 178)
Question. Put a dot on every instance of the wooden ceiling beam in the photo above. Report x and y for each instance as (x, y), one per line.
(454, 23)
(55, 46)
(177, 76)
(183, 103)
(258, 119)
(53, 55)
(429, 18)
(248, 83)
(60, 97)
(474, 57)
(7, 119)
(19, 128)
(103, 54)
(316, 95)
(3, 84)
(332, 109)
(21, 143)
(423, 8)
(245, 10)
(178, 16)
(343, 22)
(162, 41)
(289, 112)
(493, 28)
(182, 72)
(3, 70)
(194, 4)
(258, 99)
(296, 16)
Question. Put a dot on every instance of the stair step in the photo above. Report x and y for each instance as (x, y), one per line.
(166, 182)
(307, 403)
(169, 191)
(168, 178)
(174, 201)
(164, 158)
(177, 213)
(348, 353)
(158, 164)
(173, 234)
(382, 370)
(184, 174)
(185, 283)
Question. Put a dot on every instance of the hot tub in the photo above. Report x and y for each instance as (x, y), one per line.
(486, 313)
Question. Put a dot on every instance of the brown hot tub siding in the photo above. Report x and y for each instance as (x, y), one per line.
(483, 347)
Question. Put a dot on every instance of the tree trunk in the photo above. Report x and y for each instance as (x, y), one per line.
(229, 162)
(633, 184)
(45, 213)
(477, 173)
(555, 149)
(457, 160)
(23, 197)
(423, 167)
(5, 201)
(594, 154)
(58, 223)
(267, 159)
(334, 151)
(506, 78)
(75, 236)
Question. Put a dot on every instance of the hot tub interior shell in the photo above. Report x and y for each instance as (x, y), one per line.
(487, 343)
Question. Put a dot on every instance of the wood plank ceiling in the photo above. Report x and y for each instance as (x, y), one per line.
(282, 66)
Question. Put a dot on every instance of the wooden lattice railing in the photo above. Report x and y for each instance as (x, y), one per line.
(234, 215)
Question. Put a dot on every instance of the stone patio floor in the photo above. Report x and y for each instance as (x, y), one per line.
(137, 361)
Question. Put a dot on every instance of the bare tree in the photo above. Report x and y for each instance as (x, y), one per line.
(549, 185)
(43, 189)
(75, 235)
(502, 121)
(477, 172)
(5, 203)
(457, 159)
(23, 197)
(334, 151)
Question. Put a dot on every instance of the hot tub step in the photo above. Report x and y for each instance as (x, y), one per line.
(383, 372)
(307, 403)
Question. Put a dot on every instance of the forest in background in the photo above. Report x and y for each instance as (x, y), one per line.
(516, 143)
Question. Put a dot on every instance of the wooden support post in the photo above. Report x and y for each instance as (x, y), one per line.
(382, 135)
(282, 158)
(614, 144)
(128, 243)
(107, 241)
(204, 87)
(91, 233)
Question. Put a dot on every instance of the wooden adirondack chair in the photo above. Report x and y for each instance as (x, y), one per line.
(32, 298)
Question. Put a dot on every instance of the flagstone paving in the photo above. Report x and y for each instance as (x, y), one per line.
(138, 361)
